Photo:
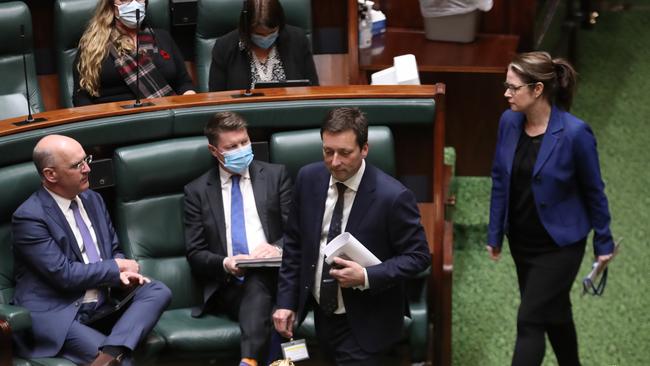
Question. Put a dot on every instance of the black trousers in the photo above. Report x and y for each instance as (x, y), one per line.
(338, 344)
(250, 302)
(546, 275)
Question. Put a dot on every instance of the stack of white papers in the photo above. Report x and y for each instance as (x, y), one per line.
(348, 247)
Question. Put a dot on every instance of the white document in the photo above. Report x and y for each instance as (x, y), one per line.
(348, 247)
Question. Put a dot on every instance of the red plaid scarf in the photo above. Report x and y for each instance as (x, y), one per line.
(152, 84)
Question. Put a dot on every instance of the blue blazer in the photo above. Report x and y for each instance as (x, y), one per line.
(567, 186)
(385, 218)
(51, 277)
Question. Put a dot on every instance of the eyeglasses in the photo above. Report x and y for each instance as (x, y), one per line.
(514, 88)
(78, 165)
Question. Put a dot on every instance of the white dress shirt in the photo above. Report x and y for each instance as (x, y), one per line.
(64, 206)
(254, 231)
(350, 194)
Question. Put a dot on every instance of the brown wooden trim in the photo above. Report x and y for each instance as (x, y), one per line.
(435, 299)
(68, 115)
(353, 43)
(6, 355)
(445, 337)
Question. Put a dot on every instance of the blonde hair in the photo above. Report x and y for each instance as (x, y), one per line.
(94, 46)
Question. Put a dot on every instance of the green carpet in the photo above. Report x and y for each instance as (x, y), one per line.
(614, 98)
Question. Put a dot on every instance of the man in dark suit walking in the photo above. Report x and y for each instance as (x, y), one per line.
(68, 261)
(238, 209)
(359, 312)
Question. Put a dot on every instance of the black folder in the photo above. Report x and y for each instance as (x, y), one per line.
(108, 314)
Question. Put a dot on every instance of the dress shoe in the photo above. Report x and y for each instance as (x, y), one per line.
(104, 359)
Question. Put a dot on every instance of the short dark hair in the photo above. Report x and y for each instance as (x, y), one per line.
(347, 118)
(223, 122)
(266, 13)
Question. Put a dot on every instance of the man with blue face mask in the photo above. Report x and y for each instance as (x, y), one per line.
(238, 209)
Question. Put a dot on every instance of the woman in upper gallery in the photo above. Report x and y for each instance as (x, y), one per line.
(105, 67)
(263, 48)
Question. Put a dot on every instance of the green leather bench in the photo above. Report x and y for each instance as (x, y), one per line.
(154, 155)
(17, 182)
(149, 220)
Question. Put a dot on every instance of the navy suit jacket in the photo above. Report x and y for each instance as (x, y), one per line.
(51, 277)
(567, 186)
(385, 218)
(205, 225)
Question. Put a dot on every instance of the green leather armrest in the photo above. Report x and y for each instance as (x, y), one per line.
(17, 316)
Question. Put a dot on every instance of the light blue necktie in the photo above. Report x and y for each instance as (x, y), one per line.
(237, 223)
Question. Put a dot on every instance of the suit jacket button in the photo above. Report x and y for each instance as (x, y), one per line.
(538, 179)
(542, 205)
(76, 303)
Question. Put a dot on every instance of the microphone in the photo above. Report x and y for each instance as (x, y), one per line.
(138, 103)
(245, 27)
(30, 118)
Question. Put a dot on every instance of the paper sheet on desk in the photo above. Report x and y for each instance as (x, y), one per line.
(348, 247)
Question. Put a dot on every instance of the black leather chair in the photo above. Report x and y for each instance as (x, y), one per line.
(216, 18)
(70, 20)
(150, 180)
(13, 15)
(295, 149)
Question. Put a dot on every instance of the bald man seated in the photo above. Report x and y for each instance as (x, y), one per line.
(68, 263)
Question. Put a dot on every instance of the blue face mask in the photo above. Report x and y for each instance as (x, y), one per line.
(264, 42)
(239, 159)
(127, 13)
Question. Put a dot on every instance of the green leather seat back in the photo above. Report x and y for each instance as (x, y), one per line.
(216, 18)
(71, 18)
(103, 132)
(17, 183)
(13, 14)
(13, 105)
(295, 149)
(308, 113)
(149, 209)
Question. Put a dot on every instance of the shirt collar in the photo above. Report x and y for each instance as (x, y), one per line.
(355, 180)
(225, 175)
(62, 202)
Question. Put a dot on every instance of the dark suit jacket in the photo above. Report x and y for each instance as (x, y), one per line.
(567, 185)
(385, 218)
(51, 277)
(205, 230)
(230, 68)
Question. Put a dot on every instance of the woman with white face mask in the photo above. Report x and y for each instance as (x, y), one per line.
(105, 67)
(263, 48)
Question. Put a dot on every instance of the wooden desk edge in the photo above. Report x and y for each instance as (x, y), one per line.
(69, 115)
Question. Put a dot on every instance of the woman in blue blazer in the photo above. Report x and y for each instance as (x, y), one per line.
(547, 195)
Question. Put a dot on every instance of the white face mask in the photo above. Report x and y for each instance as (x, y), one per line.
(127, 13)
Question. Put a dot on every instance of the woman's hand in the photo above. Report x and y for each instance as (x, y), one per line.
(494, 252)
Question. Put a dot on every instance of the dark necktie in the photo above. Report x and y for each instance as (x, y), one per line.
(329, 287)
(89, 244)
(237, 223)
